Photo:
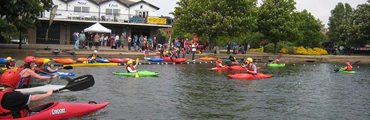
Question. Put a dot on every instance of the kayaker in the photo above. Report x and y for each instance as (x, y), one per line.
(250, 66)
(9, 63)
(275, 61)
(129, 67)
(219, 64)
(15, 104)
(46, 67)
(348, 67)
(92, 57)
(245, 62)
(27, 70)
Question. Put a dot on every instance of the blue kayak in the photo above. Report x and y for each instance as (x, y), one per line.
(3, 60)
(155, 60)
(103, 60)
(62, 74)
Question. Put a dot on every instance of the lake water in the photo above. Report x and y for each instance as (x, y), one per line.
(297, 91)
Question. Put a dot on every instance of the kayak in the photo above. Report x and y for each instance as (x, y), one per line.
(345, 71)
(155, 59)
(63, 110)
(207, 58)
(39, 60)
(247, 76)
(127, 59)
(275, 65)
(116, 60)
(102, 60)
(220, 68)
(40, 88)
(142, 73)
(168, 59)
(81, 59)
(92, 64)
(62, 74)
(64, 60)
(3, 60)
(4, 68)
(240, 68)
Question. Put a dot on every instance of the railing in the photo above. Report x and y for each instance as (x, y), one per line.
(123, 18)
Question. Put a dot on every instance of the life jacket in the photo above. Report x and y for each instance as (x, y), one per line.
(11, 64)
(183, 51)
(218, 64)
(349, 68)
(25, 80)
(44, 67)
(7, 114)
(131, 66)
(250, 67)
(274, 61)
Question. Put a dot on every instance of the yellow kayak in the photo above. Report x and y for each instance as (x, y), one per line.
(92, 64)
(4, 68)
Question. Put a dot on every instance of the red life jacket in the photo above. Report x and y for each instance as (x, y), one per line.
(349, 68)
(11, 64)
(26, 80)
(250, 67)
(131, 66)
(183, 51)
(42, 68)
(7, 114)
(218, 64)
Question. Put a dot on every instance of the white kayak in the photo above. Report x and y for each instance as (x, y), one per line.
(39, 88)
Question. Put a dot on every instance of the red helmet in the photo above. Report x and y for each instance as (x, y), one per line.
(219, 60)
(11, 78)
(347, 63)
(29, 59)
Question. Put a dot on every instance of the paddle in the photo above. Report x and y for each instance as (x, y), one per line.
(137, 72)
(79, 83)
(66, 67)
(336, 70)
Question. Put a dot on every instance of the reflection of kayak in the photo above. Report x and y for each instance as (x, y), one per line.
(207, 58)
(240, 68)
(91, 64)
(64, 60)
(345, 71)
(142, 73)
(168, 59)
(62, 74)
(155, 59)
(102, 60)
(63, 110)
(3, 60)
(42, 88)
(247, 76)
(219, 68)
(275, 65)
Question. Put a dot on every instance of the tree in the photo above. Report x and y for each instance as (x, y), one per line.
(357, 31)
(275, 20)
(23, 14)
(339, 16)
(309, 29)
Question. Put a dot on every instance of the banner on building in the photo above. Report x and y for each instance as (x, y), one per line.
(155, 20)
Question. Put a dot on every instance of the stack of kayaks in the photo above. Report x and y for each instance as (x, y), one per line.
(155, 59)
(81, 59)
(275, 65)
(116, 60)
(62, 74)
(240, 68)
(91, 64)
(39, 60)
(102, 60)
(3, 60)
(63, 110)
(348, 72)
(207, 58)
(247, 76)
(64, 60)
(168, 59)
(220, 68)
(142, 73)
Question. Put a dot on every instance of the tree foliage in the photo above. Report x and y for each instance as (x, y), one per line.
(339, 15)
(309, 34)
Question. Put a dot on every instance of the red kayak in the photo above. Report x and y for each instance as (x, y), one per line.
(220, 68)
(240, 68)
(63, 110)
(247, 76)
(168, 59)
(116, 60)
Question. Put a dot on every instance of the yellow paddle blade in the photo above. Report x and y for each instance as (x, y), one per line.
(137, 75)
(137, 61)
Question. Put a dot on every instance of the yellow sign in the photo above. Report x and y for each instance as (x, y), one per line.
(153, 20)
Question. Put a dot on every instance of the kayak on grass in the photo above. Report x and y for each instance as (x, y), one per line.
(91, 64)
(142, 73)
(168, 59)
(247, 76)
(62, 74)
(155, 59)
(207, 58)
(240, 68)
(348, 72)
(275, 65)
(219, 68)
(63, 110)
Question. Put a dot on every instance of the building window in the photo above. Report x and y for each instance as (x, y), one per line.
(141, 6)
(82, 9)
(115, 12)
(142, 14)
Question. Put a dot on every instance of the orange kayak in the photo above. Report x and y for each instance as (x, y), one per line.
(81, 59)
(207, 58)
(39, 60)
(64, 60)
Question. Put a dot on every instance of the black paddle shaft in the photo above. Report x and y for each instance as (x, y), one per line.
(79, 83)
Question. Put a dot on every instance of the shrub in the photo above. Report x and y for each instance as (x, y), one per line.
(269, 48)
(300, 51)
(320, 51)
(284, 50)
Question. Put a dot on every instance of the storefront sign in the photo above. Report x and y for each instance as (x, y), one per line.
(81, 3)
(155, 20)
(112, 5)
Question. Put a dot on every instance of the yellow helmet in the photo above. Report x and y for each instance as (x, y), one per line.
(46, 61)
(250, 59)
(129, 62)
(8, 58)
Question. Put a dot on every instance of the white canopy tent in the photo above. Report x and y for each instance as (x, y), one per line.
(98, 28)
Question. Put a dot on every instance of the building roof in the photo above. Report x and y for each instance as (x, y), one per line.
(127, 3)
(142, 1)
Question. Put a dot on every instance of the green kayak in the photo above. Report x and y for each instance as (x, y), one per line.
(345, 71)
(142, 73)
(275, 65)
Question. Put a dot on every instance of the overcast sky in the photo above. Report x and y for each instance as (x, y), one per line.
(318, 8)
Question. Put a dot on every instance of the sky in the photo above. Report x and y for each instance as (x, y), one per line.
(318, 8)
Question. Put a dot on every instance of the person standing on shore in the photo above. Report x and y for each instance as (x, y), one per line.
(141, 40)
(194, 49)
(75, 37)
(96, 41)
(123, 40)
(91, 40)
(228, 46)
(129, 42)
(117, 42)
(102, 40)
(112, 37)
(82, 40)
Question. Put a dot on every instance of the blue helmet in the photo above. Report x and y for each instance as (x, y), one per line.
(275, 58)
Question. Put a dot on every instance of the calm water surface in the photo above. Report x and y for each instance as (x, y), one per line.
(297, 91)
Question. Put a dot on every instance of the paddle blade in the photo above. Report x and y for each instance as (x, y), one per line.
(137, 75)
(19, 64)
(67, 67)
(79, 83)
(231, 58)
(279, 57)
(137, 61)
